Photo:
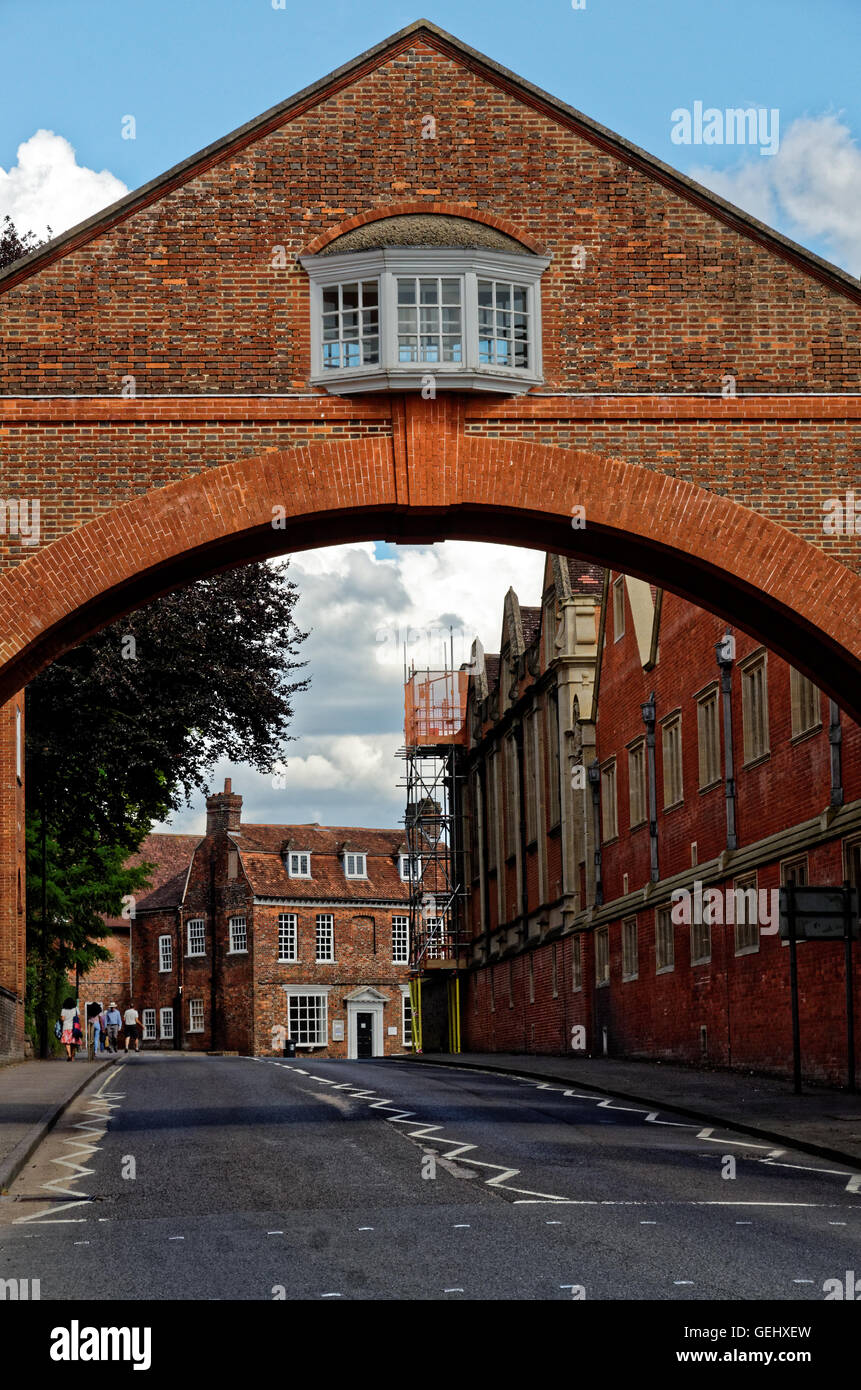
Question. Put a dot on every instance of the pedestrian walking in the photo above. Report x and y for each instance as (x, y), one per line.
(68, 1014)
(103, 1028)
(114, 1022)
(97, 1033)
(132, 1027)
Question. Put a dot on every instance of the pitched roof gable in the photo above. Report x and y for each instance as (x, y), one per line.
(423, 30)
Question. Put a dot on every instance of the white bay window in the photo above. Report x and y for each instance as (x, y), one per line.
(400, 316)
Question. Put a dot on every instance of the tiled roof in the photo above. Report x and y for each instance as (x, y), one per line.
(531, 621)
(585, 577)
(170, 856)
(260, 850)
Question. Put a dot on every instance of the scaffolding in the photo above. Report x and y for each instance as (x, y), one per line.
(435, 739)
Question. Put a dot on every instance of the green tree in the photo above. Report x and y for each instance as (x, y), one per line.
(13, 245)
(124, 728)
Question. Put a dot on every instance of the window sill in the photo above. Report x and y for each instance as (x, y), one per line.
(710, 786)
(602, 984)
(639, 824)
(242, 952)
(747, 950)
(285, 960)
(665, 969)
(674, 805)
(165, 970)
(756, 762)
(805, 734)
(195, 955)
(626, 979)
(701, 960)
(415, 377)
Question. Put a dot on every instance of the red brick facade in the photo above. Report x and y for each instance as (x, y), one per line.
(13, 878)
(232, 952)
(657, 292)
(718, 997)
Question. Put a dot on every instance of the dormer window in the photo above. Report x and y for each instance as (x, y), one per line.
(355, 866)
(410, 868)
(298, 864)
(464, 313)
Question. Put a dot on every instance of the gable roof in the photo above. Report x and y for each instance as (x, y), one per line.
(472, 59)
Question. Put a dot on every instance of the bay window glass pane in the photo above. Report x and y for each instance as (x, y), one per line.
(369, 293)
(406, 291)
(451, 291)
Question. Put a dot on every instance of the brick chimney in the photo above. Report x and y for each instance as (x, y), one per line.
(223, 810)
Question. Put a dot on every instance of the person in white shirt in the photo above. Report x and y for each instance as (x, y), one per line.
(132, 1029)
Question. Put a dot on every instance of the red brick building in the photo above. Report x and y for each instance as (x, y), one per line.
(578, 915)
(255, 933)
(13, 879)
(573, 353)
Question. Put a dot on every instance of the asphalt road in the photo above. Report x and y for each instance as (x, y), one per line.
(189, 1177)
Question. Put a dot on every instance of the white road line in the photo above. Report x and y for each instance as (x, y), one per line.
(684, 1281)
(176, 1237)
(452, 1290)
(275, 1233)
(366, 1228)
(462, 1226)
(330, 1295)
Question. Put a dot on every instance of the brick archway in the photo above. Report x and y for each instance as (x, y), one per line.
(706, 547)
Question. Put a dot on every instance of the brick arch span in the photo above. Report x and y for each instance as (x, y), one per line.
(717, 553)
(468, 211)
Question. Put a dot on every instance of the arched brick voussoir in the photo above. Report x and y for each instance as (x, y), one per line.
(765, 579)
(149, 545)
(712, 550)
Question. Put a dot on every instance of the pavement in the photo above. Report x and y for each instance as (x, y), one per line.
(191, 1177)
(32, 1097)
(821, 1121)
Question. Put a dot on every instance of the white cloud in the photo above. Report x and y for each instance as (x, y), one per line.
(47, 187)
(342, 769)
(810, 189)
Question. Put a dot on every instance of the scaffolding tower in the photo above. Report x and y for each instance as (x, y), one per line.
(435, 739)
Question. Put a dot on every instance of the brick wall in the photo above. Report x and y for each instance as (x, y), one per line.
(13, 879)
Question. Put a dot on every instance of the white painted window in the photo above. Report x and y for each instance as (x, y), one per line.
(165, 953)
(287, 924)
(637, 798)
(355, 866)
(392, 316)
(754, 708)
(148, 1020)
(238, 934)
(410, 868)
(308, 1018)
(806, 703)
(701, 943)
(166, 1022)
(400, 940)
(298, 864)
(325, 936)
(196, 936)
(407, 1020)
(195, 1015)
(19, 745)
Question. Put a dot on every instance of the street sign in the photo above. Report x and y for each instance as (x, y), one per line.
(820, 913)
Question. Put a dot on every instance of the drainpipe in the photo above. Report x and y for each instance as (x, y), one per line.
(835, 738)
(484, 881)
(595, 784)
(212, 978)
(647, 709)
(725, 651)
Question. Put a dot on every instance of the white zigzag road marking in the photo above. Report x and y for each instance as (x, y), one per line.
(732, 1143)
(99, 1106)
(460, 1147)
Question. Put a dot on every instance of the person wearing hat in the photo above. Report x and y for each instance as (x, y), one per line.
(113, 1022)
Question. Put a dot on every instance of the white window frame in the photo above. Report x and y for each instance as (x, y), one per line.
(665, 941)
(299, 992)
(195, 922)
(609, 802)
(387, 264)
(400, 939)
(165, 954)
(148, 1017)
(755, 725)
(355, 865)
(195, 1016)
(298, 863)
(238, 928)
(325, 920)
(672, 766)
(165, 1024)
(404, 862)
(406, 1019)
(288, 926)
(619, 608)
(630, 948)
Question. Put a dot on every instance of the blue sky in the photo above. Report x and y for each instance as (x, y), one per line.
(189, 71)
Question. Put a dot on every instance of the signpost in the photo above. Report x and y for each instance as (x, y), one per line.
(819, 914)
